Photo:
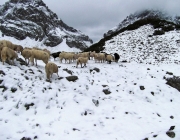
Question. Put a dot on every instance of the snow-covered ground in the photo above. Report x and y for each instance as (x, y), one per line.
(141, 46)
(33, 108)
(140, 105)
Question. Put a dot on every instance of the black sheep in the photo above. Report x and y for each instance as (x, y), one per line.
(55, 55)
(116, 56)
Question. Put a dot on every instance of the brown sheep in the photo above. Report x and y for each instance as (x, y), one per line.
(67, 56)
(84, 54)
(51, 68)
(82, 60)
(109, 58)
(19, 48)
(46, 50)
(26, 53)
(39, 55)
(8, 54)
(6, 43)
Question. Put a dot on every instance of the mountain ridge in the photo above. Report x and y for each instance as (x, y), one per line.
(144, 14)
(150, 32)
(32, 18)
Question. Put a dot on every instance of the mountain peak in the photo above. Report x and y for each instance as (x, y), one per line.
(25, 1)
(32, 18)
(143, 14)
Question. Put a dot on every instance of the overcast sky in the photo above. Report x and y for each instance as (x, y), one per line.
(95, 17)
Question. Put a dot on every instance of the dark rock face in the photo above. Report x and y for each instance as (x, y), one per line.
(174, 82)
(32, 18)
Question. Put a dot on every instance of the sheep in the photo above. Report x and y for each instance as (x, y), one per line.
(8, 54)
(92, 54)
(67, 56)
(82, 60)
(109, 58)
(46, 50)
(26, 53)
(19, 48)
(61, 56)
(84, 54)
(6, 43)
(116, 56)
(55, 55)
(51, 68)
(39, 55)
(99, 57)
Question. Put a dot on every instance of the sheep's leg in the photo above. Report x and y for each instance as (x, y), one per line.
(9, 60)
(57, 74)
(48, 75)
(32, 60)
(13, 62)
(36, 61)
(28, 61)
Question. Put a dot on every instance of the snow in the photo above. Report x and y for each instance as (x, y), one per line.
(137, 46)
(64, 110)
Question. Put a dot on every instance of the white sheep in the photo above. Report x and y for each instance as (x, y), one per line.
(92, 54)
(39, 55)
(67, 56)
(51, 68)
(99, 57)
(82, 60)
(8, 54)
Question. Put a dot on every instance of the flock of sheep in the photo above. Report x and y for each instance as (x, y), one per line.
(9, 51)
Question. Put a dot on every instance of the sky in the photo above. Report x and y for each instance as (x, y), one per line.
(95, 17)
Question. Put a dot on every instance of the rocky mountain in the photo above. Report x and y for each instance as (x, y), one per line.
(143, 15)
(33, 18)
(144, 37)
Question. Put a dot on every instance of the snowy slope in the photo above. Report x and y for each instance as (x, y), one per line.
(140, 104)
(144, 14)
(142, 46)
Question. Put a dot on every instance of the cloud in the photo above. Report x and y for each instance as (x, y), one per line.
(95, 17)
